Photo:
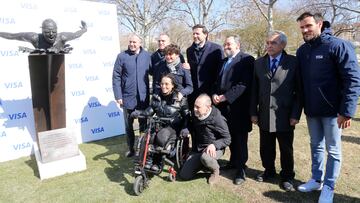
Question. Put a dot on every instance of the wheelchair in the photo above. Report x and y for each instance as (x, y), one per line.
(173, 154)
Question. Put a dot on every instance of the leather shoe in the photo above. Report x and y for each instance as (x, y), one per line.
(287, 186)
(265, 176)
(130, 153)
(239, 178)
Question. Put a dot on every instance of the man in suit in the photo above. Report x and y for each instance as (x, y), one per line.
(232, 97)
(131, 85)
(276, 107)
(205, 58)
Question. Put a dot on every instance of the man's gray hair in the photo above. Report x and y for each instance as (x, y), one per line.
(135, 35)
(235, 37)
(281, 34)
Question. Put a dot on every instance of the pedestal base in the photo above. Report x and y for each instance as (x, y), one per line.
(60, 167)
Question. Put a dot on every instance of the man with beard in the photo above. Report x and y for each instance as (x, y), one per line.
(210, 140)
(232, 97)
(131, 85)
(49, 40)
(331, 86)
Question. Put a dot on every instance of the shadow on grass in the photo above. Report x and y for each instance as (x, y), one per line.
(305, 197)
(117, 168)
(351, 139)
(32, 164)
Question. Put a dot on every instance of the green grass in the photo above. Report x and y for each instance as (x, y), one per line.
(109, 177)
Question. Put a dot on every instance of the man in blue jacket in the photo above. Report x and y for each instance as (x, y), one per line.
(331, 87)
(131, 85)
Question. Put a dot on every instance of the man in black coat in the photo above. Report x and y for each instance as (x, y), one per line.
(276, 107)
(232, 97)
(205, 59)
(210, 140)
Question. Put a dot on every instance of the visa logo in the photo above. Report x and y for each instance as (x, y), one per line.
(7, 21)
(104, 12)
(108, 64)
(114, 114)
(22, 146)
(94, 104)
(28, 6)
(106, 38)
(70, 10)
(109, 89)
(17, 116)
(97, 130)
(81, 120)
(75, 66)
(91, 78)
(89, 51)
(3, 134)
(78, 93)
(8, 52)
(13, 85)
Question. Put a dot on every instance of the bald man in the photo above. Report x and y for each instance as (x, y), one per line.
(131, 85)
(211, 138)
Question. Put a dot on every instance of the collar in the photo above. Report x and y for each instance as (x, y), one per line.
(278, 57)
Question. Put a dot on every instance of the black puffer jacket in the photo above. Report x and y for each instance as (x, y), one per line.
(212, 130)
(170, 106)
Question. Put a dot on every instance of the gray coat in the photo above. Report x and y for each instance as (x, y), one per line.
(276, 99)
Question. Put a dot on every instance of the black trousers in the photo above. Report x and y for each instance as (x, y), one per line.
(268, 152)
(238, 149)
(130, 138)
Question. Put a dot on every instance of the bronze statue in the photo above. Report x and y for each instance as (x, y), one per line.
(49, 41)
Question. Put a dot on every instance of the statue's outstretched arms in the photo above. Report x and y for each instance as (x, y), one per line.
(67, 36)
(31, 37)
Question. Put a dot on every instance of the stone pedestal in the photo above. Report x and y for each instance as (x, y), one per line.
(56, 150)
(59, 167)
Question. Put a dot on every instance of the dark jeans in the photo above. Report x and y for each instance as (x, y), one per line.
(130, 138)
(268, 152)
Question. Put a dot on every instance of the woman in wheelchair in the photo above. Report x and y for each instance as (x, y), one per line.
(170, 104)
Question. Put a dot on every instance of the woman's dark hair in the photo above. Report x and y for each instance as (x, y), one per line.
(172, 78)
(172, 49)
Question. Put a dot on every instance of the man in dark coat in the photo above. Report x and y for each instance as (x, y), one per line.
(276, 107)
(210, 140)
(131, 85)
(232, 97)
(205, 60)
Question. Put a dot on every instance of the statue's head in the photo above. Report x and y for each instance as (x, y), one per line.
(49, 30)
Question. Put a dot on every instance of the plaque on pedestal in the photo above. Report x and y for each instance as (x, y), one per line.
(57, 144)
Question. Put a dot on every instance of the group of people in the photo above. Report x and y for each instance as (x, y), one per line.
(217, 100)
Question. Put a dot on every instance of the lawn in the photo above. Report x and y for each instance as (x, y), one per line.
(109, 177)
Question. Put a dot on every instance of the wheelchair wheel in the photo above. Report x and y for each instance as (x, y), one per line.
(182, 149)
(139, 185)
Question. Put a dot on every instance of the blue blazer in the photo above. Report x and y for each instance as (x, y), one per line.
(131, 79)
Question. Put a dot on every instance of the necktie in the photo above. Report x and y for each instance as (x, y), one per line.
(273, 66)
(227, 63)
